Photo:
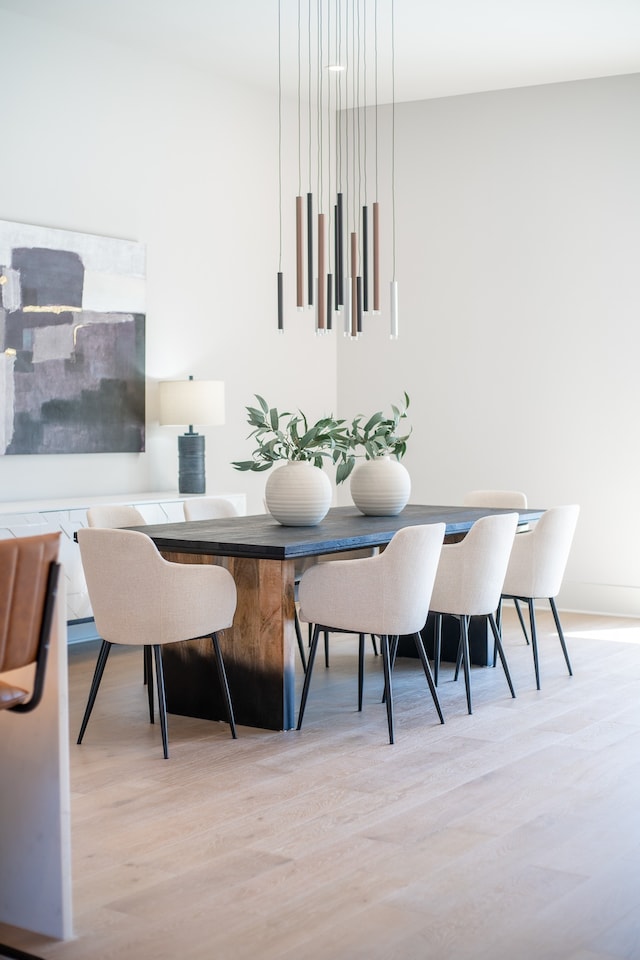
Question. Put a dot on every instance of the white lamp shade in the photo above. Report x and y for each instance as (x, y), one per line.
(191, 401)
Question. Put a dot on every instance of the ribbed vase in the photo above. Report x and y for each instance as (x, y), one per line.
(380, 487)
(298, 494)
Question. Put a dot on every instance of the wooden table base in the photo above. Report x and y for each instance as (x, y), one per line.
(259, 650)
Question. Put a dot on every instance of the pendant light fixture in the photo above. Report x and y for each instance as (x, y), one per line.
(337, 227)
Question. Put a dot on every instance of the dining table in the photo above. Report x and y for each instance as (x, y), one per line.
(260, 648)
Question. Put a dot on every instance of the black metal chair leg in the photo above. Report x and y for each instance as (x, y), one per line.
(499, 626)
(437, 648)
(386, 663)
(374, 644)
(360, 669)
(556, 617)
(534, 640)
(222, 674)
(464, 627)
(95, 683)
(458, 654)
(521, 619)
(300, 643)
(147, 654)
(162, 705)
(307, 677)
(422, 653)
(499, 648)
(326, 648)
(393, 653)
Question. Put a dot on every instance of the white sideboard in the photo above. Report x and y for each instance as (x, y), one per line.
(31, 517)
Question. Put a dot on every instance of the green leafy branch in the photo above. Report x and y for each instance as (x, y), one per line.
(378, 436)
(279, 438)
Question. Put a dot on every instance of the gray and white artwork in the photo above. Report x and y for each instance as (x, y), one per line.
(72, 329)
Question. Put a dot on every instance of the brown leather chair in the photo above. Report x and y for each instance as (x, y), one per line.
(28, 584)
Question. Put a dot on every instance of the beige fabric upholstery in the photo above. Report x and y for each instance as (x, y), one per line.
(114, 515)
(536, 569)
(138, 597)
(539, 557)
(384, 594)
(469, 583)
(495, 498)
(471, 573)
(510, 499)
(209, 508)
(387, 594)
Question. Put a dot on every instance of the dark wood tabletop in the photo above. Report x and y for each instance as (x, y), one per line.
(344, 528)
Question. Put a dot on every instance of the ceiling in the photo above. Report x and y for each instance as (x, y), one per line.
(442, 47)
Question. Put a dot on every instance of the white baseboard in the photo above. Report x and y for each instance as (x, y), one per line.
(603, 598)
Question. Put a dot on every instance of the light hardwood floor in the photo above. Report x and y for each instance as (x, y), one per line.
(512, 834)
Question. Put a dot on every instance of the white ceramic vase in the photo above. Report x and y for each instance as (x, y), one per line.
(380, 487)
(298, 494)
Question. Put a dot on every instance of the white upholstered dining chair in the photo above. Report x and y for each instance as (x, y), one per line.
(384, 595)
(114, 515)
(469, 583)
(509, 499)
(495, 498)
(139, 598)
(536, 569)
(209, 508)
(301, 567)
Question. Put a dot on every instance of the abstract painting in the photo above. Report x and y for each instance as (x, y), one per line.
(72, 342)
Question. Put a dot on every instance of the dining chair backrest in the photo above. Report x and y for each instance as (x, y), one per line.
(539, 557)
(138, 597)
(114, 515)
(384, 594)
(495, 498)
(209, 508)
(471, 573)
(28, 582)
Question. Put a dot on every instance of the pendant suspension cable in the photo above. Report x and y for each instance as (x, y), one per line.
(376, 206)
(357, 169)
(321, 320)
(394, 282)
(310, 270)
(393, 143)
(299, 208)
(325, 65)
(339, 227)
(279, 278)
(365, 207)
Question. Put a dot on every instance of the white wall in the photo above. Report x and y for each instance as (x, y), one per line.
(518, 243)
(97, 139)
(518, 259)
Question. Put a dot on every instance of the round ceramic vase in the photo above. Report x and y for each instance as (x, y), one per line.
(380, 487)
(298, 494)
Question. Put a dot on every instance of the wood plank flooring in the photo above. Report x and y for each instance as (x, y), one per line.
(512, 834)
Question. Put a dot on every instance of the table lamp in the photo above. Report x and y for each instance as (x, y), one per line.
(188, 402)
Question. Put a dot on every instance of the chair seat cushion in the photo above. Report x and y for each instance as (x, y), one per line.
(10, 695)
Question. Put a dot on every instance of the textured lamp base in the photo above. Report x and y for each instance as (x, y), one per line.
(191, 476)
